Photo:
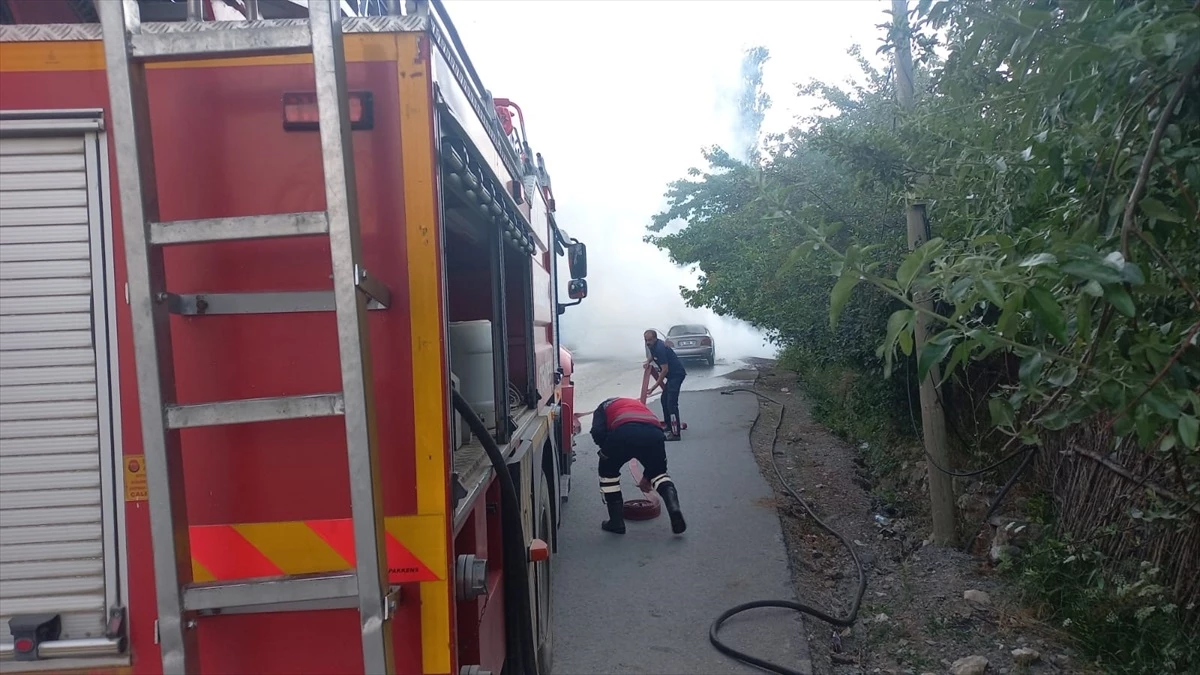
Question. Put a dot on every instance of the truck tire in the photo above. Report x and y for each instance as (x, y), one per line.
(543, 586)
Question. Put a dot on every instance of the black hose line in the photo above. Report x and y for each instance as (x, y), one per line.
(785, 604)
(516, 559)
(1012, 480)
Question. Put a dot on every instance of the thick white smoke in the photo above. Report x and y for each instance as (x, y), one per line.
(633, 285)
(621, 97)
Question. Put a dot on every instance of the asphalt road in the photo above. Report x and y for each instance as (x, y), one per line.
(643, 602)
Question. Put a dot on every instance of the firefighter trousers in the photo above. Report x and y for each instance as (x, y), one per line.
(635, 440)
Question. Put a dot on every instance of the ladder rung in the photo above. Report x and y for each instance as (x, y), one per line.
(219, 595)
(213, 39)
(239, 228)
(273, 302)
(246, 411)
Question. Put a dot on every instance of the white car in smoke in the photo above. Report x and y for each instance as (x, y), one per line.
(692, 341)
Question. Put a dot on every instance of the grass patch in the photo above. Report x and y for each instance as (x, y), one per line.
(1118, 615)
(855, 402)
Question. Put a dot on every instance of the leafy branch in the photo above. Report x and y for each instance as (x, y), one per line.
(1151, 154)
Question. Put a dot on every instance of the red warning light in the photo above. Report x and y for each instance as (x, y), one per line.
(300, 112)
(539, 551)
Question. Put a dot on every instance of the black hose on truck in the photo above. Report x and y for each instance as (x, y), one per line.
(516, 559)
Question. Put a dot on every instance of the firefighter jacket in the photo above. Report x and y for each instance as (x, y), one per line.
(614, 412)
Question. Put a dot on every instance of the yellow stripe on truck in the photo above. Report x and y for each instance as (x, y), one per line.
(293, 546)
(425, 316)
(247, 550)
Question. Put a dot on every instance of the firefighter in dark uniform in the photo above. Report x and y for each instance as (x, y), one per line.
(670, 378)
(625, 429)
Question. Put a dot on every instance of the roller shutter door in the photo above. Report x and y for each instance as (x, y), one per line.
(52, 450)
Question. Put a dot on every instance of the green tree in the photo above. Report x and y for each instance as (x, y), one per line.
(1058, 148)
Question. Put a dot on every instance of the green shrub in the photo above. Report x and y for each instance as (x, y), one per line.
(1118, 613)
(854, 402)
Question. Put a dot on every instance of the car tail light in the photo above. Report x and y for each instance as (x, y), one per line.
(705, 341)
(300, 111)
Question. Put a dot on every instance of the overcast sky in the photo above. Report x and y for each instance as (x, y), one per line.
(620, 97)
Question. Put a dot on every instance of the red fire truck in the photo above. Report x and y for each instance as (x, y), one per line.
(281, 388)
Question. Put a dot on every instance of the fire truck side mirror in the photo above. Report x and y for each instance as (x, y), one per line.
(577, 289)
(577, 261)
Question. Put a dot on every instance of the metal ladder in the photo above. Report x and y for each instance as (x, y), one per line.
(128, 47)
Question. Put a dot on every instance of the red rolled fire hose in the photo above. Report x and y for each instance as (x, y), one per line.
(642, 509)
(650, 507)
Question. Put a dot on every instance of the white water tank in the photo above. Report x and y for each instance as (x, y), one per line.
(471, 362)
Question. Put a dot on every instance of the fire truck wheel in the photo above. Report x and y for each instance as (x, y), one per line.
(545, 589)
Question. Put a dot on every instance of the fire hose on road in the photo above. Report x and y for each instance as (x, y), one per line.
(837, 622)
(648, 507)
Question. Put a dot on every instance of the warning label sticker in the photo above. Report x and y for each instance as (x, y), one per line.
(135, 479)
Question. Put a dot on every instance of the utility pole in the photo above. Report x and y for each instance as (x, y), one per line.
(933, 419)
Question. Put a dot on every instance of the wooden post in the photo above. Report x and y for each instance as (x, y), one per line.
(933, 419)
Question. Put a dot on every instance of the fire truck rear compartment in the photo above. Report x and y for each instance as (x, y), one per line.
(224, 149)
(263, 168)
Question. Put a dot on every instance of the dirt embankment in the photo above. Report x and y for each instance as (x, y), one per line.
(926, 609)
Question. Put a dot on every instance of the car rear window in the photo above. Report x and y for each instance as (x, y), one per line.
(690, 329)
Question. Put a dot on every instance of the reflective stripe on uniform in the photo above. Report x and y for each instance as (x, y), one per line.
(610, 484)
(659, 480)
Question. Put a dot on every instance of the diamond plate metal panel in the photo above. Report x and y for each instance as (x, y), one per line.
(50, 32)
(70, 32)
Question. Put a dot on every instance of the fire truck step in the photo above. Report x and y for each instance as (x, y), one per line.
(249, 410)
(212, 39)
(210, 596)
(239, 228)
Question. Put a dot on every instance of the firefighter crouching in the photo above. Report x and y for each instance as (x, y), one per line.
(625, 429)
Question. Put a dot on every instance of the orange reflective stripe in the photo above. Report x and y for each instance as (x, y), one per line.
(227, 555)
(403, 566)
(242, 551)
(293, 546)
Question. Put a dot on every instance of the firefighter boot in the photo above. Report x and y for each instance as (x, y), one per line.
(616, 513)
(670, 497)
